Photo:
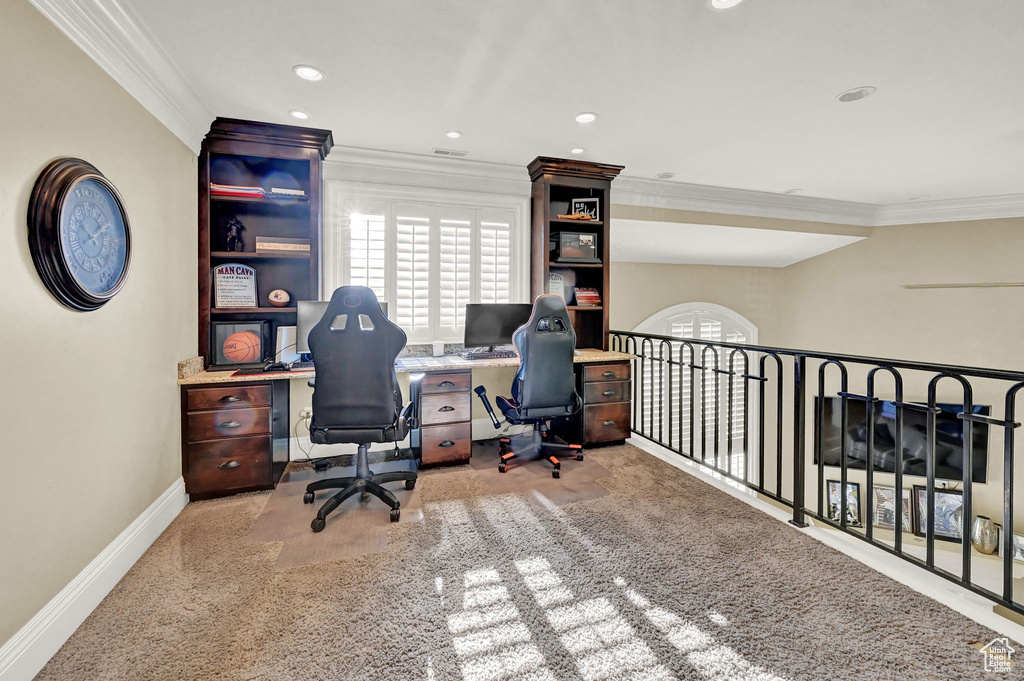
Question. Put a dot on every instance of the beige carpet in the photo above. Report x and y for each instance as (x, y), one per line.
(662, 577)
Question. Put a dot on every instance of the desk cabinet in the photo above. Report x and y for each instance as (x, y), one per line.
(606, 391)
(446, 417)
(228, 437)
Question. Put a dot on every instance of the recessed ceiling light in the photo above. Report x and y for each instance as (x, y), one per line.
(792, 191)
(586, 117)
(856, 93)
(453, 134)
(725, 4)
(307, 72)
(301, 115)
(664, 176)
(578, 150)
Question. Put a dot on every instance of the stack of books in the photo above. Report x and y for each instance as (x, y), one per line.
(235, 190)
(282, 193)
(587, 297)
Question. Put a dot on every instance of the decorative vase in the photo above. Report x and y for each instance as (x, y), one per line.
(984, 534)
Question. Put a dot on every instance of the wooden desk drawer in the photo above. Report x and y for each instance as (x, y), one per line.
(606, 391)
(446, 443)
(606, 422)
(606, 372)
(233, 397)
(444, 408)
(229, 464)
(454, 382)
(210, 425)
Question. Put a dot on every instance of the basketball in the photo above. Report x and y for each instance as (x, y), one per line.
(242, 346)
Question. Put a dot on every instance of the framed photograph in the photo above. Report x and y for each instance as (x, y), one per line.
(949, 513)
(577, 247)
(852, 503)
(883, 508)
(1018, 547)
(590, 207)
(234, 285)
(235, 345)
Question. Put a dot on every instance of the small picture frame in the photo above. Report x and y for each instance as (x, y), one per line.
(238, 345)
(234, 285)
(577, 247)
(949, 513)
(589, 207)
(883, 508)
(852, 503)
(1018, 547)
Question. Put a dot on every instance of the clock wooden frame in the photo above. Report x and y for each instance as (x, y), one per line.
(44, 218)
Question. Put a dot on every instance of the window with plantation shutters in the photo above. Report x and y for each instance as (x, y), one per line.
(427, 261)
(706, 390)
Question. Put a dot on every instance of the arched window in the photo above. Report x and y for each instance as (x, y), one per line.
(699, 431)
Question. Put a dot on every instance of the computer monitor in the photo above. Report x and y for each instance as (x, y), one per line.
(308, 314)
(489, 324)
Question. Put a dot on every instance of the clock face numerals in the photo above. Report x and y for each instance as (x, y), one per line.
(93, 237)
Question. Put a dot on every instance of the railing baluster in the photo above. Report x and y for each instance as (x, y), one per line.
(799, 423)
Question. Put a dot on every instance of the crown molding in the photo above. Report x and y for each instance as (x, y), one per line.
(636, 191)
(114, 38)
(951, 210)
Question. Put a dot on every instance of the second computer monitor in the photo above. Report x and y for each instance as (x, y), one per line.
(308, 314)
(493, 324)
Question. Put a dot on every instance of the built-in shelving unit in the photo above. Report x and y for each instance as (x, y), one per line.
(556, 182)
(261, 155)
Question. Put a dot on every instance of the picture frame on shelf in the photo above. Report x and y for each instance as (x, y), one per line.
(239, 345)
(853, 517)
(949, 513)
(234, 285)
(883, 508)
(577, 247)
(588, 206)
(1018, 547)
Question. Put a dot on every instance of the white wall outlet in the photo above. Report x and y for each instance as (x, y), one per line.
(306, 413)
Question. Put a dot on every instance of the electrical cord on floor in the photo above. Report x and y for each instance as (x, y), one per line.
(298, 442)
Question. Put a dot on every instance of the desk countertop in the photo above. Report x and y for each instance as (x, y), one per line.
(191, 376)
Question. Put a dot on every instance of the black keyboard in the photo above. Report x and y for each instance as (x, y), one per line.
(299, 365)
(488, 354)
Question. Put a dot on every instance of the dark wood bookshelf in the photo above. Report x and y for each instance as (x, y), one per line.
(556, 182)
(254, 154)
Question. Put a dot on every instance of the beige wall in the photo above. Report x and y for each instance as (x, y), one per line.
(638, 290)
(89, 405)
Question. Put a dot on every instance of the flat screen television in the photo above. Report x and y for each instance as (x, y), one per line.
(949, 439)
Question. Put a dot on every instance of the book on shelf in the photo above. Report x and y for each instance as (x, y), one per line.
(236, 190)
(587, 297)
(289, 193)
(277, 244)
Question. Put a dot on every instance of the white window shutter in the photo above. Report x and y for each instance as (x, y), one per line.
(367, 255)
(412, 275)
(495, 260)
(456, 275)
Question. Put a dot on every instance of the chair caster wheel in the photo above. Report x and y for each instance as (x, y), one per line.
(579, 457)
(308, 497)
(364, 496)
(410, 484)
(556, 473)
(502, 467)
(318, 524)
(396, 513)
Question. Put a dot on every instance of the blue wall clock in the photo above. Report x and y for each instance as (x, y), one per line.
(78, 234)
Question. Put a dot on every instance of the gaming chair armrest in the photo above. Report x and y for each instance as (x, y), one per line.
(411, 411)
(312, 382)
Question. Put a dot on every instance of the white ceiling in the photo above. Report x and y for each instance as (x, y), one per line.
(689, 244)
(743, 98)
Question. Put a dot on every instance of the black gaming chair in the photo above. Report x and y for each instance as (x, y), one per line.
(356, 397)
(544, 386)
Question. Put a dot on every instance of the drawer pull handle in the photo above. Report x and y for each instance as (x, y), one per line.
(230, 398)
(230, 464)
(609, 422)
(608, 373)
(445, 384)
(608, 393)
(231, 424)
(447, 408)
(447, 443)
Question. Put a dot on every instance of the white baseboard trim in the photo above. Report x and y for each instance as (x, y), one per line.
(30, 649)
(965, 602)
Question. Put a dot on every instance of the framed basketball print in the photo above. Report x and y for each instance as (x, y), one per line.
(236, 345)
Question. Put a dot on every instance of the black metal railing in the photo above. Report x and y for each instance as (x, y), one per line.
(751, 404)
